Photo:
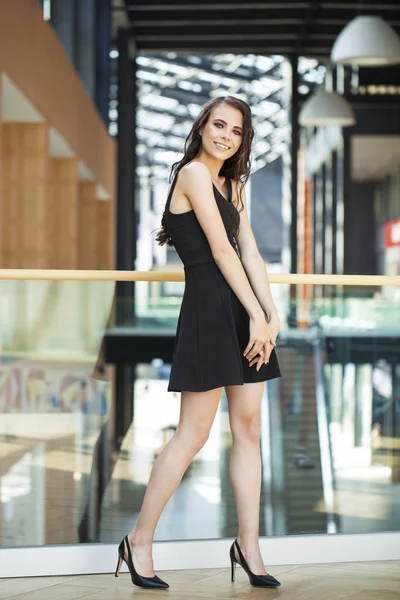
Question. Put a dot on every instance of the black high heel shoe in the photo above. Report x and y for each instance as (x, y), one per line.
(255, 580)
(144, 582)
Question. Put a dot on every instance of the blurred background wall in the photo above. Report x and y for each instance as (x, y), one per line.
(58, 192)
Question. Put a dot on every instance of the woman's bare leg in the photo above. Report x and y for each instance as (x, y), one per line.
(245, 467)
(197, 414)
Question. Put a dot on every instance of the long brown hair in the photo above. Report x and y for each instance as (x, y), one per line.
(237, 167)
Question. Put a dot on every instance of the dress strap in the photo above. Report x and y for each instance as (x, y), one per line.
(171, 190)
(229, 190)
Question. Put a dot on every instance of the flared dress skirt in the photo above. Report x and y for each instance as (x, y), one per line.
(212, 334)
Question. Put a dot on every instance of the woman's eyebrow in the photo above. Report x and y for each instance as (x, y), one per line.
(225, 123)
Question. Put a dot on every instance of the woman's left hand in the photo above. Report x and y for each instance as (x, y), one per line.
(265, 353)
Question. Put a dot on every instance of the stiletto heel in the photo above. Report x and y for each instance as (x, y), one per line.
(233, 570)
(144, 582)
(119, 564)
(255, 580)
(233, 563)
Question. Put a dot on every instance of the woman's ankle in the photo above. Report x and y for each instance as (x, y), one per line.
(137, 538)
(248, 544)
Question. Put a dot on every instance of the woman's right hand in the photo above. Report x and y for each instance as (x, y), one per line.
(260, 343)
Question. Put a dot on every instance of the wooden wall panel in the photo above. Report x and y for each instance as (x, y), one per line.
(63, 213)
(87, 225)
(25, 172)
(33, 57)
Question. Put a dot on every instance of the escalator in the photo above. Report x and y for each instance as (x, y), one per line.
(301, 471)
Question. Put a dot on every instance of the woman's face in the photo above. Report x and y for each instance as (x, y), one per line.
(222, 134)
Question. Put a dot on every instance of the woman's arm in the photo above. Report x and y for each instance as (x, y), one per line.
(195, 183)
(257, 274)
(254, 266)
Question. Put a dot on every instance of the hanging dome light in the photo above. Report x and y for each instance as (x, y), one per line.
(326, 108)
(367, 41)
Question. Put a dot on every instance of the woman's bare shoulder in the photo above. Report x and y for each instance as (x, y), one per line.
(194, 172)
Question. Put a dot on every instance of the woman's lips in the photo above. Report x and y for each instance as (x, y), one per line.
(221, 146)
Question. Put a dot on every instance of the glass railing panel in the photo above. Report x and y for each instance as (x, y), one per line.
(309, 421)
(84, 412)
(55, 398)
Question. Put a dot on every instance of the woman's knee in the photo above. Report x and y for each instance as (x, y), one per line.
(247, 427)
(193, 438)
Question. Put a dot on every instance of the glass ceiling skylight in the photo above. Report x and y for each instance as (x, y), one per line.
(172, 88)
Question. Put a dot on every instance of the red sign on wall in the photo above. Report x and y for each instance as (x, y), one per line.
(392, 233)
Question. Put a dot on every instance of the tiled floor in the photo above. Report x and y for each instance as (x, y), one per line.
(339, 581)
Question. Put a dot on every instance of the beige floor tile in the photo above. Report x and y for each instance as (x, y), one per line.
(223, 578)
(137, 594)
(22, 585)
(209, 572)
(57, 592)
(332, 588)
(373, 574)
(104, 581)
(378, 566)
(349, 581)
(376, 595)
(122, 594)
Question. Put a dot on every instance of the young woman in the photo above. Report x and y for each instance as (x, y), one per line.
(225, 336)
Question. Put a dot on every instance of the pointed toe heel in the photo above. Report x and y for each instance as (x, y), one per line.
(255, 580)
(143, 582)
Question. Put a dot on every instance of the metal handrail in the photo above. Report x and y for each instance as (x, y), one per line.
(179, 275)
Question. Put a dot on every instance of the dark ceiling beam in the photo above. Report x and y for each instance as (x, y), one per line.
(246, 47)
(248, 37)
(220, 14)
(305, 30)
(365, 6)
(207, 5)
(281, 13)
(264, 31)
(196, 36)
(182, 23)
(330, 24)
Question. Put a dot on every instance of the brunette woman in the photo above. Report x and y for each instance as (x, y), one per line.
(226, 332)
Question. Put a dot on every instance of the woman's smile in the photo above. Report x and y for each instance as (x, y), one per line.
(222, 146)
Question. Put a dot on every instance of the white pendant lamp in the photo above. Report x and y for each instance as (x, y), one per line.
(326, 108)
(367, 41)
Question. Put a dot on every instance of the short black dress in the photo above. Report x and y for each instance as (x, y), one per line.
(213, 325)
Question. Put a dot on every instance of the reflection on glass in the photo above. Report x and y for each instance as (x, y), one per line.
(54, 403)
(330, 425)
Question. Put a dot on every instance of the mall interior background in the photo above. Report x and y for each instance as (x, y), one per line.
(97, 97)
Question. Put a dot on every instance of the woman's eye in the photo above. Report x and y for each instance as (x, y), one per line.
(220, 126)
